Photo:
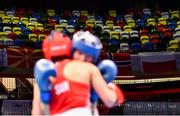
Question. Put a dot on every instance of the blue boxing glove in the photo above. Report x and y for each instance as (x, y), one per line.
(42, 71)
(109, 71)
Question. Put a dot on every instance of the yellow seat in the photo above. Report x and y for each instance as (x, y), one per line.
(173, 45)
(84, 13)
(144, 39)
(2, 13)
(41, 37)
(39, 26)
(30, 26)
(131, 23)
(51, 12)
(175, 13)
(17, 30)
(59, 27)
(110, 24)
(115, 34)
(7, 29)
(90, 23)
(70, 28)
(151, 21)
(117, 28)
(127, 28)
(162, 21)
(33, 37)
(178, 24)
(24, 20)
(3, 34)
(113, 13)
(15, 20)
(6, 19)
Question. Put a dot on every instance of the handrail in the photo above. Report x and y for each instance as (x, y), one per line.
(140, 81)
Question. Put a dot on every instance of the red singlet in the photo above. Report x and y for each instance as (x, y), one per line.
(67, 94)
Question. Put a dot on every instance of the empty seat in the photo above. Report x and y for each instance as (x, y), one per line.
(136, 46)
(7, 29)
(33, 37)
(148, 46)
(115, 34)
(19, 42)
(124, 46)
(17, 30)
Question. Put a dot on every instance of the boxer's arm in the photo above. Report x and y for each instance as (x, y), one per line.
(107, 95)
(36, 104)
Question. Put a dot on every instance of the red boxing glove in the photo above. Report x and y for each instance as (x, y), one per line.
(119, 93)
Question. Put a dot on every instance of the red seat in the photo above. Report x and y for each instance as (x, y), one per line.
(123, 63)
(120, 23)
(155, 39)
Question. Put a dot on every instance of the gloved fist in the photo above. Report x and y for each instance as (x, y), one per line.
(109, 71)
(42, 71)
(119, 93)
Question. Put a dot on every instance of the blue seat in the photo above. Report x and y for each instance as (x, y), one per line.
(74, 17)
(36, 15)
(119, 17)
(140, 23)
(8, 42)
(148, 46)
(26, 31)
(136, 46)
(38, 44)
(114, 44)
(172, 25)
(114, 41)
(1, 29)
(99, 18)
(57, 18)
(21, 25)
(19, 42)
(72, 22)
(146, 16)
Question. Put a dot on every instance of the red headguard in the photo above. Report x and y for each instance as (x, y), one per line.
(56, 45)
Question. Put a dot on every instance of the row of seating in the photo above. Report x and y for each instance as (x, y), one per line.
(124, 32)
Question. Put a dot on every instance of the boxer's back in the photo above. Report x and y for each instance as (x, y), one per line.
(72, 86)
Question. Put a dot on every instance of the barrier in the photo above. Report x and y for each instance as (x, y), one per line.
(16, 107)
(23, 107)
(151, 108)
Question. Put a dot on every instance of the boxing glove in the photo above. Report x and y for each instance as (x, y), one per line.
(42, 71)
(119, 93)
(109, 71)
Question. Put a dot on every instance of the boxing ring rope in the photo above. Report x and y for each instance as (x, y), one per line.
(140, 81)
